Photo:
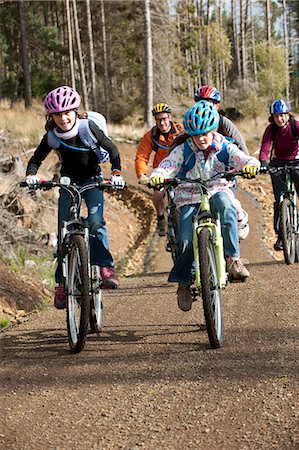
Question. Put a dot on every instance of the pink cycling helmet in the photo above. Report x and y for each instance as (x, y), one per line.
(62, 99)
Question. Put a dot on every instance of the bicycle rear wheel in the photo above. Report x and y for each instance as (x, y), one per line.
(210, 289)
(97, 303)
(287, 230)
(78, 300)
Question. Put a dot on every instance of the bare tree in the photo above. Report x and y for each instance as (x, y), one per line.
(268, 21)
(243, 42)
(25, 56)
(286, 45)
(253, 44)
(236, 35)
(106, 69)
(91, 57)
(148, 63)
(80, 56)
(70, 43)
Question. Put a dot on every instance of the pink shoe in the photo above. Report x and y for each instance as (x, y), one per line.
(109, 277)
(60, 297)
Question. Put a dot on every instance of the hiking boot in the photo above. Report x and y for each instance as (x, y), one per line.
(161, 227)
(184, 297)
(278, 245)
(60, 297)
(109, 277)
(236, 269)
(243, 226)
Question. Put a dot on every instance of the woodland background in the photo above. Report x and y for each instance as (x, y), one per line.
(123, 56)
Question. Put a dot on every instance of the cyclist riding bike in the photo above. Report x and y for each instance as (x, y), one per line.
(157, 140)
(280, 146)
(80, 163)
(228, 129)
(204, 154)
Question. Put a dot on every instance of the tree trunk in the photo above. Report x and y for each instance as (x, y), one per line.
(148, 63)
(268, 20)
(91, 57)
(25, 56)
(236, 35)
(70, 44)
(253, 44)
(106, 69)
(243, 44)
(80, 57)
(286, 45)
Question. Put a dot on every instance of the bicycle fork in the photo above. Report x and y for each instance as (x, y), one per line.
(217, 241)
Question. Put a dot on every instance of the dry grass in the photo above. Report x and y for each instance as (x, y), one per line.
(28, 126)
(252, 131)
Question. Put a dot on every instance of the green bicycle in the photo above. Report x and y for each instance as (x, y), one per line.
(210, 275)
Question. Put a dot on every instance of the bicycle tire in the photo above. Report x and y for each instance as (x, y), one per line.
(297, 247)
(210, 289)
(96, 303)
(78, 299)
(172, 232)
(287, 230)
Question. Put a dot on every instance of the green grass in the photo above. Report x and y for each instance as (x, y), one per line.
(4, 322)
(41, 268)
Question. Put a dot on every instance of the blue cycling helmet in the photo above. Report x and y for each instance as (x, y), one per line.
(207, 93)
(201, 118)
(280, 107)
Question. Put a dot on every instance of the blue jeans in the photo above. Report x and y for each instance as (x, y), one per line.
(220, 204)
(99, 246)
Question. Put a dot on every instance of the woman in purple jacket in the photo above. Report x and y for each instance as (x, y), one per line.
(280, 145)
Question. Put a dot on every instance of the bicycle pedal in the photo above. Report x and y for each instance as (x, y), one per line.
(194, 294)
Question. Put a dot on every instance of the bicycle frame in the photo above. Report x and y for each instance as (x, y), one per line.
(202, 219)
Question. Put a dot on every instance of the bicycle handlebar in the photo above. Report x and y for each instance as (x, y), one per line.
(72, 187)
(283, 168)
(174, 182)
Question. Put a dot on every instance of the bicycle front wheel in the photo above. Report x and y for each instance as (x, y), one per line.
(78, 301)
(97, 303)
(287, 230)
(172, 232)
(210, 289)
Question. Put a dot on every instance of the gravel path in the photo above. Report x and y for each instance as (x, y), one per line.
(150, 380)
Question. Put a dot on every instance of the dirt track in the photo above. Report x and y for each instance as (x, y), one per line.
(150, 380)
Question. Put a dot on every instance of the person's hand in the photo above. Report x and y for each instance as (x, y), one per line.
(143, 179)
(249, 171)
(264, 166)
(32, 180)
(157, 181)
(117, 180)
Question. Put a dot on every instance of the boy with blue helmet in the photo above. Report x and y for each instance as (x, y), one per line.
(211, 154)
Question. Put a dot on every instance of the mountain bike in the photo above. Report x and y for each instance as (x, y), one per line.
(210, 275)
(288, 215)
(82, 280)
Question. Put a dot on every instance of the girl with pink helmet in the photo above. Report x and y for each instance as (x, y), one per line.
(80, 163)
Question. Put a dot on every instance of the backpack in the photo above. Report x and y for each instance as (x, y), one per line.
(86, 136)
(189, 158)
(156, 144)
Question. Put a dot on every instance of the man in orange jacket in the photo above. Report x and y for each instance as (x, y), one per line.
(157, 140)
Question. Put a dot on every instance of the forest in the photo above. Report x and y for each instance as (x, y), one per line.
(124, 55)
